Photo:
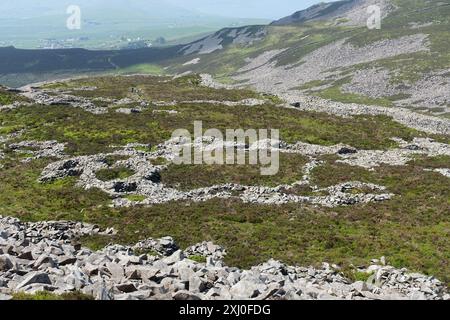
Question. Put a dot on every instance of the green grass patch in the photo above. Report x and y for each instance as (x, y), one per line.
(86, 133)
(7, 97)
(361, 276)
(135, 197)
(146, 68)
(114, 173)
(198, 258)
(45, 295)
(187, 177)
(155, 88)
(431, 162)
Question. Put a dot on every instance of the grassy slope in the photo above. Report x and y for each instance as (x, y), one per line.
(7, 97)
(187, 177)
(411, 230)
(45, 295)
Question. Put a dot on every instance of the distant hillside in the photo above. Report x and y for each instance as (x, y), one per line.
(324, 51)
(106, 24)
(328, 51)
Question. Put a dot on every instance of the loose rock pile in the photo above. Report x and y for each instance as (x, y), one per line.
(43, 257)
(12, 106)
(146, 180)
(39, 149)
(266, 76)
(42, 97)
(396, 157)
(431, 92)
(425, 123)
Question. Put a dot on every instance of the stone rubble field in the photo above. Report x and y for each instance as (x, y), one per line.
(45, 256)
(266, 76)
(300, 101)
(69, 98)
(146, 180)
(433, 90)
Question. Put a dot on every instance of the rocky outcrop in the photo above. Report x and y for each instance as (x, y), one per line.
(323, 62)
(47, 98)
(220, 39)
(38, 149)
(44, 257)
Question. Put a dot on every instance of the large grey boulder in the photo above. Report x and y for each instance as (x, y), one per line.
(34, 277)
(6, 262)
(99, 290)
(116, 270)
(185, 295)
(247, 289)
(77, 278)
(197, 284)
(44, 261)
(26, 254)
(5, 297)
(174, 258)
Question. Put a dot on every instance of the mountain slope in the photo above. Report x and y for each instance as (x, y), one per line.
(322, 51)
(405, 63)
(344, 12)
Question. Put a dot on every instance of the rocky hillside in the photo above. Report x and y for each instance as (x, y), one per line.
(347, 12)
(327, 51)
(41, 257)
(364, 165)
(98, 150)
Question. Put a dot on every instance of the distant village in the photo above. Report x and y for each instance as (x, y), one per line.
(121, 43)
